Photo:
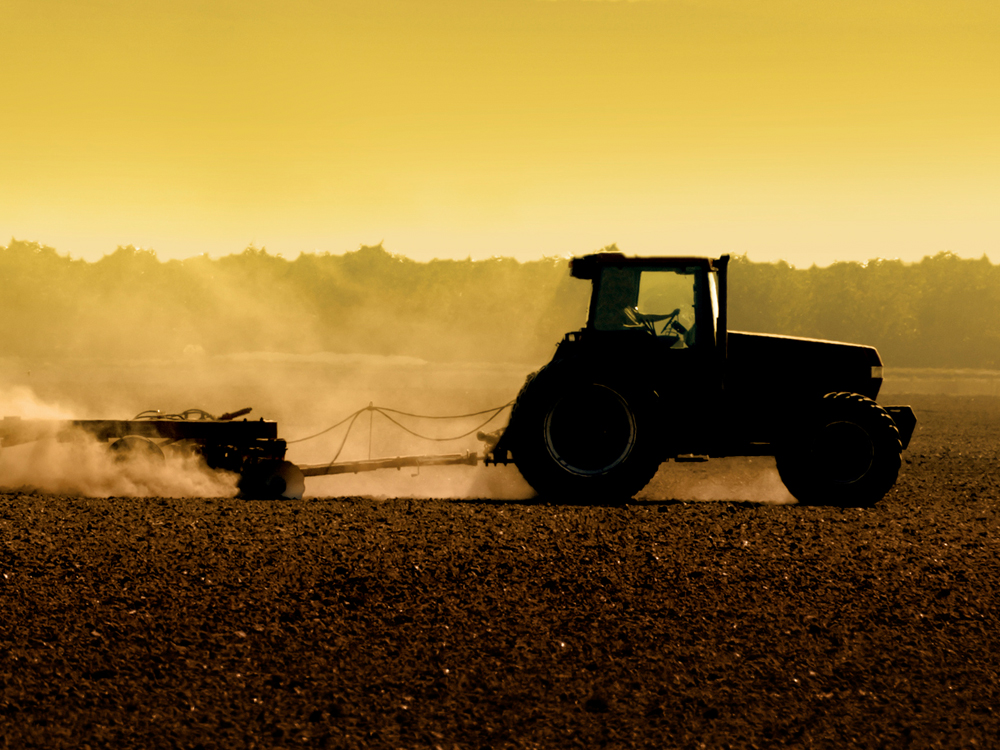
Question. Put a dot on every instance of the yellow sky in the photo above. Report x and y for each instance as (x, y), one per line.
(796, 129)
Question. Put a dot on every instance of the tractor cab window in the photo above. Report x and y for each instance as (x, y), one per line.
(713, 288)
(663, 302)
(665, 306)
(617, 292)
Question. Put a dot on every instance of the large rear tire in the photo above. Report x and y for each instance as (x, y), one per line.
(584, 439)
(844, 452)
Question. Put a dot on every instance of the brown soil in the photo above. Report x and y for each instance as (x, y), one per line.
(403, 623)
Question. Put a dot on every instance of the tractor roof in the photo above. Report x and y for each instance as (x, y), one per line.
(589, 266)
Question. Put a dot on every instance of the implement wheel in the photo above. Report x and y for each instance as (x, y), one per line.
(272, 480)
(132, 447)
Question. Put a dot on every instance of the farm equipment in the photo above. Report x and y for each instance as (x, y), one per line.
(656, 375)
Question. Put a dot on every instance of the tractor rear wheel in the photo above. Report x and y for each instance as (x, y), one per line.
(844, 452)
(586, 439)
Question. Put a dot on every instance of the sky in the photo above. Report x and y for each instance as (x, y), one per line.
(794, 130)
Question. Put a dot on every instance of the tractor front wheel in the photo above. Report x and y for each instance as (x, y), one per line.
(844, 452)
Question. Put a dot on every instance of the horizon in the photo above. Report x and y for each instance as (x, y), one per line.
(469, 257)
(389, 251)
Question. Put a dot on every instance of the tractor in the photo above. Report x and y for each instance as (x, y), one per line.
(656, 375)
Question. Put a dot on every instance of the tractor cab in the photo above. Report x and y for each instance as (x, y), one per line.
(678, 301)
(662, 319)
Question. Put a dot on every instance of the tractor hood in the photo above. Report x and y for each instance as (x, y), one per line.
(768, 365)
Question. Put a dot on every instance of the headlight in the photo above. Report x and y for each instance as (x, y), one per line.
(877, 372)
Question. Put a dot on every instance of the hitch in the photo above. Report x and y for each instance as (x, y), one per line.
(374, 464)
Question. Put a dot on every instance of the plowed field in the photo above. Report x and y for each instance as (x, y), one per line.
(350, 622)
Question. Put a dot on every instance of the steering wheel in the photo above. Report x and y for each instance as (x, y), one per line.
(670, 320)
(648, 321)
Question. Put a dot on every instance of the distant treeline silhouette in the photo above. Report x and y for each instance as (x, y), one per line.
(941, 312)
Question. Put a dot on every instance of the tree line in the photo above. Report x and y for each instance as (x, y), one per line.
(943, 311)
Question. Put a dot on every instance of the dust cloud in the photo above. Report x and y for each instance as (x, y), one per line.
(86, 468)
(20, 401)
